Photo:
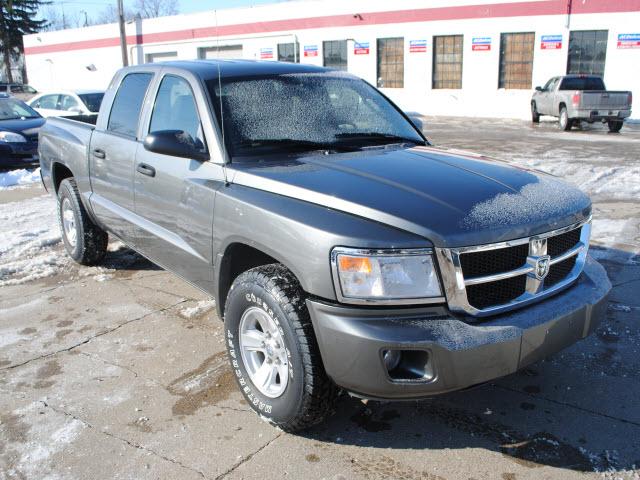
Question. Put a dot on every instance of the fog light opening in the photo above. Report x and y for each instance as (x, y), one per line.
(408, 365)
(391, 359)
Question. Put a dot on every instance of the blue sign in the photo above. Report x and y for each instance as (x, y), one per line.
(551, 42)
(481, 43)
(311, 50)
(629, 40)
(416, 46)
(361, 48)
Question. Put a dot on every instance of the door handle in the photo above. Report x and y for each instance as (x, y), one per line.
(145, 169)
(99, 153)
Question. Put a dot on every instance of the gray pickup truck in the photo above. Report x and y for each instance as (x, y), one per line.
(343, 250)
(575, 98)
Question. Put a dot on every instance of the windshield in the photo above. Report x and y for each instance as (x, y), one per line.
(307, 111)
(92, 100)
(582, 83)
(11, 109)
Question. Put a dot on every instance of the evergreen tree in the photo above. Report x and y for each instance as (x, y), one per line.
(17, 18)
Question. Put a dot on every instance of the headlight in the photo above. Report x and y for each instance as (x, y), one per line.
(387, 276)
(11, 137)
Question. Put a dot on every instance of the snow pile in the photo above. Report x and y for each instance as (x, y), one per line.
(200, 308)
(29, 233)
(19, 177)
(600, 180)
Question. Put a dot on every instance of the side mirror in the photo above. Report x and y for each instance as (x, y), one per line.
(538, 89)
(175, 143)
(417, 122)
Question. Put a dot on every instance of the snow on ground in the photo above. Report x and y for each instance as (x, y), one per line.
(19, 177)
(599, 179)
(27, 239)
(198, 309)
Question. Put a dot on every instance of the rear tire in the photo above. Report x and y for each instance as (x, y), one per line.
(268, 329)
(615, 125)
(565, 122)
(83, 240)
(535, 116)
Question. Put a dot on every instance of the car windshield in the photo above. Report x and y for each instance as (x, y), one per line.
(92, 100)
(11, 109)
(582, 83)
(306, 111)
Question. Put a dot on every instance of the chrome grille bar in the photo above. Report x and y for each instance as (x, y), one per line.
(455, 282)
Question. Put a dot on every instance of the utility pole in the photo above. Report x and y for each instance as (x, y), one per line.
(123, 34)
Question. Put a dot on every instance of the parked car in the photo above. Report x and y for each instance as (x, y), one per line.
(343, 250)
(575, 98)
(21, 92)
(67, 103)
(19, 127)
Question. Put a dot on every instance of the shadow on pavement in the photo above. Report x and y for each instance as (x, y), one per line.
(577, 410)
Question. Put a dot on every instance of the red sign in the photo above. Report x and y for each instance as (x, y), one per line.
(480, 44)
(551, 42)
(361, 48)
(266, 53)
(417, 46)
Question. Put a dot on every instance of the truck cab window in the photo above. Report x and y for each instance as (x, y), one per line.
(175, 109)
(127, 105)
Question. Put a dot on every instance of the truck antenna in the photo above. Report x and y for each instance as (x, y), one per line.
(224, 145)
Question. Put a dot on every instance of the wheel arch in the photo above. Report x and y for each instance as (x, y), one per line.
(238, 256)
(59, 172)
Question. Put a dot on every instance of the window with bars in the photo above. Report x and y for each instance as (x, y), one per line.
(516, 60)
(587, 52)
(390, 62)
(447, 61)
(289, 52)
(334, 53)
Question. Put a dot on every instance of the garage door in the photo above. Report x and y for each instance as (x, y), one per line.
(223, 51)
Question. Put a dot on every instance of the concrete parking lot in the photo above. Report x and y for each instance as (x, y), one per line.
(119, 371)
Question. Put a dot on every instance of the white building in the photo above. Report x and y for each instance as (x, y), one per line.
(447, 57)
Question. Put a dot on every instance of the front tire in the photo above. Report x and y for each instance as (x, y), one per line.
(565, 122)
(535, 116)
(273, 350)
(615, 125)
(83, 240)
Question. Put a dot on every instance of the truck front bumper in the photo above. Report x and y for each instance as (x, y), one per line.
(458, 354)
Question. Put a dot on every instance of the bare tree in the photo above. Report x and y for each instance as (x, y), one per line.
(110, 15)
(156, 8)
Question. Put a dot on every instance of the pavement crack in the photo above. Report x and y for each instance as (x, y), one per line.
(124, 440)
(568, 405)
(244, 460)
(92, 337)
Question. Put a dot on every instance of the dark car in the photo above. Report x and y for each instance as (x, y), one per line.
(19, 91)
(19, 127)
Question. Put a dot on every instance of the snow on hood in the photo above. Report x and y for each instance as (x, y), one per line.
(535, 202)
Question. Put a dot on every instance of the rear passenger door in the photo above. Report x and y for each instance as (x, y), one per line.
(112, 155)
(174, 196)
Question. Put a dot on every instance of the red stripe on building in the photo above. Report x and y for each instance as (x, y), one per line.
(496, 10)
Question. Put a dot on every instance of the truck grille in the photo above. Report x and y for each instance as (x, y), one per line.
(493, 278)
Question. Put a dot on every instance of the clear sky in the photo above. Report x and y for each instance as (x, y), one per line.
(93, 7)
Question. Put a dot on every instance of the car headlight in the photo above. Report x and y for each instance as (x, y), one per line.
(385, 276)
(11, 137)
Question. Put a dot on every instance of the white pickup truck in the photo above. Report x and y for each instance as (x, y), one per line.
(575, 98)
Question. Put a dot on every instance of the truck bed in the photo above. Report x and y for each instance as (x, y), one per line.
(66, 140)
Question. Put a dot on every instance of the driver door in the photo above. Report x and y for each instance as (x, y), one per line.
(544, 102)
(174, 196)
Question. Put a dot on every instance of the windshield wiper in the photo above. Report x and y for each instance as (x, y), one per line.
(287, 143)
(378, 137)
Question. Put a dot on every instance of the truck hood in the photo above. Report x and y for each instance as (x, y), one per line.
(449, 197)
